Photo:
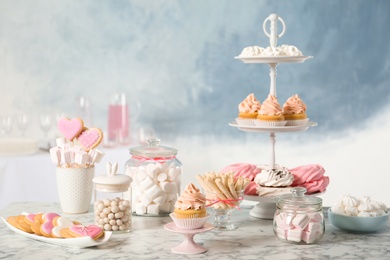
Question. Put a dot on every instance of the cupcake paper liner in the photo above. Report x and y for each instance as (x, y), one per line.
(297, 122)
(189, 223)
(265, 123)
(245, 121)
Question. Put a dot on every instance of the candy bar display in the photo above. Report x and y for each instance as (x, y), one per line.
(156, 174)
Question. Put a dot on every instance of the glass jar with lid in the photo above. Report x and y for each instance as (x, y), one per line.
(298, 218)
(112, 200)
(156, 174)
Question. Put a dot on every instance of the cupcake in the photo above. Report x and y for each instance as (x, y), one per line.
(270, 113)
(248, 110)
(294, 111)
(190, 209)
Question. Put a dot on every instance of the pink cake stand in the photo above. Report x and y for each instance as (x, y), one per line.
(188, 246)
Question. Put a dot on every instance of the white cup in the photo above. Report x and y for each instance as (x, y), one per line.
(75, 188)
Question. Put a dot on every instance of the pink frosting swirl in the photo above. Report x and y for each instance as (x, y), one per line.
(294, 105)
(311, 177)
(249, 105)
(245, 170)
(191, 198)
(271, 106)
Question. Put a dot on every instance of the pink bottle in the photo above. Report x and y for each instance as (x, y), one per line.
(118, 119)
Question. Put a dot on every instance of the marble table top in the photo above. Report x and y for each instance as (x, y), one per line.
(253, 239)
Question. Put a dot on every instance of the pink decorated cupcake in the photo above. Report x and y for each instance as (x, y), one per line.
(294, 110)
(248, 110)
(271, 113)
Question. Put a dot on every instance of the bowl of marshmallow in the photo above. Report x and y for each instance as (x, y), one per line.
(361, 215)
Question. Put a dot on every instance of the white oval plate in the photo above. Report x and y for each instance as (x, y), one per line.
(80, 242)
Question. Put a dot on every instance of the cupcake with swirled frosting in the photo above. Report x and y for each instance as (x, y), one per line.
(270, 113)
(294, 111)
(248, 110)
(191, 203)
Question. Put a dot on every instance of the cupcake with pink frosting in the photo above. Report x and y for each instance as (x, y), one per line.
(271, 113)
(294, 110)
(248, 110)
(311, 177)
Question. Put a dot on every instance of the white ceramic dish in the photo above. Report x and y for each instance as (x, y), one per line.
(294, 128)
(81, 242)
(274, 59)
(273, 199)
(358, 224)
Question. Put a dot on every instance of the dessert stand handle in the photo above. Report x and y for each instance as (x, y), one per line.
(272, 137)
(273, 36)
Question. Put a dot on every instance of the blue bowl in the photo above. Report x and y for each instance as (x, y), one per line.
(358, 224)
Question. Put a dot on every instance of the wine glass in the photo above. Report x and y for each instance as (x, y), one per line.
(23, 121)
(223, 207)
(45, 122)
(6, 125)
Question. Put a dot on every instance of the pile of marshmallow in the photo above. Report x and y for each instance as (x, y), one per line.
(113, 214)
(300, 227)
(155, 187)
(68, 155)
(360, 207)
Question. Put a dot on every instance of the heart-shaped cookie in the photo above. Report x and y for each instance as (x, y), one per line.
(90, 138)
(70, 128)
(59, 224)
(92, 231)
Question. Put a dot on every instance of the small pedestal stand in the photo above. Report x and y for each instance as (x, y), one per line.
(188, 246)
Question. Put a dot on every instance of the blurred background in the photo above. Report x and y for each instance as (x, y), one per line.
(171, 65)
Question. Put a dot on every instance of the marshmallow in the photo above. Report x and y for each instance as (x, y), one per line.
(140, 175)
(313, 227)
(140, 209)
(150, 170)
(166, 186)
(166, 207)
(147, 183)
(66, 156)
(55, 155)
(153, 209)
(160, 199)
(81, 157)
(61, 141)
(153, 192)
(98, 157)
(300, 221)
(309, 237)
(162, 176)
(144, 200)
(294, 235)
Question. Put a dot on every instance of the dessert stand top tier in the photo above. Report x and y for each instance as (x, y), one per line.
(273, 39)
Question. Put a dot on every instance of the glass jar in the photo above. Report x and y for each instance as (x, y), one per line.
(298, 218)
(112, 201)
(156, 174)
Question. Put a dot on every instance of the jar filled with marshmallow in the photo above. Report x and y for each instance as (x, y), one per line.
(156, 174)
(112, 206)
(298, 218)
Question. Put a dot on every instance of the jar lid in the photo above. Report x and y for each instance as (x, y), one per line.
(297, 200)
(153, 150)
(112, 182)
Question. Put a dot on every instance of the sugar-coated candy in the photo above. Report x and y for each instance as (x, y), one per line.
(109, 216)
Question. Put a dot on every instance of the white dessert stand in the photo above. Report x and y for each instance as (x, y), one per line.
(266, 206)
(188, 246)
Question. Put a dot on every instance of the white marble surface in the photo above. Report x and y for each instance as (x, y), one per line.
(254, 239)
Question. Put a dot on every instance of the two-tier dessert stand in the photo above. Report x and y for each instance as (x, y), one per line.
(266, 206)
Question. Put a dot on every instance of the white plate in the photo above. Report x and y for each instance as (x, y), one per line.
(293, 128)
(273, 199)
(80, 242)
(279, 59)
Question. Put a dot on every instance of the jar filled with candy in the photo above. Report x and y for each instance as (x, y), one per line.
(156, 174)
(112, 206)
(298, 218)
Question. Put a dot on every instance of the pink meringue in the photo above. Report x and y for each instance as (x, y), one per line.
(245, 170)
(311, 177)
